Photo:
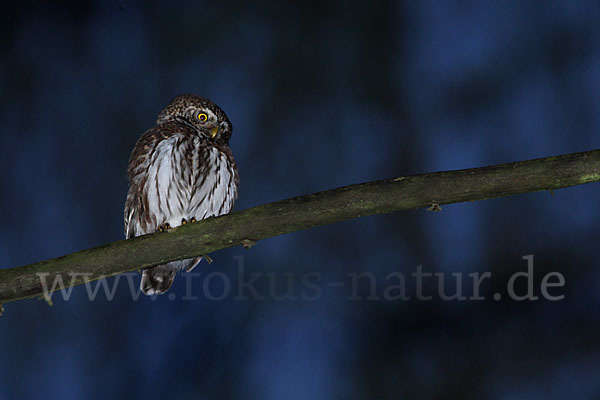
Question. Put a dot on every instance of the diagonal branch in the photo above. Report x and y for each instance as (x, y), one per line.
(268, 220)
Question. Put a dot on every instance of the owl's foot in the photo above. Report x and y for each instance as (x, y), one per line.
(193, 220)
(183, 221)
(164, 227)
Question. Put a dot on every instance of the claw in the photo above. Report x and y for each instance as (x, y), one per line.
(193, 220)
(164, 227)
(183, 221)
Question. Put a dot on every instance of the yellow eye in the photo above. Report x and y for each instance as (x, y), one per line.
(202, 117)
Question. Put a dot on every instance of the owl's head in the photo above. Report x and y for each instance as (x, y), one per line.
(200, 114)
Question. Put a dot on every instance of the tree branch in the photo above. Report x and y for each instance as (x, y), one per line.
(265, 221)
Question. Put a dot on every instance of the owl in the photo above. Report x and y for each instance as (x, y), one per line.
(180, 171)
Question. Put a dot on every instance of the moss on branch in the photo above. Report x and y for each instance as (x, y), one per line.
(268, 220)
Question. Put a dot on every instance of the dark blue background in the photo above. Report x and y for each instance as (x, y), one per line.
(321, 95)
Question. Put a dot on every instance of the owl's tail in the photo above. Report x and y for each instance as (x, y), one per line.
(158, 279)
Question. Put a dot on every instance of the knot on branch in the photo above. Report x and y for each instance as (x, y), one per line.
(247, 243)
(435, 207)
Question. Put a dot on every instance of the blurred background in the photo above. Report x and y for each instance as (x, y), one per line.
(321, 94)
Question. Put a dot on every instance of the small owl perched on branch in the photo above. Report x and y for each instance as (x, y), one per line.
(180, 171)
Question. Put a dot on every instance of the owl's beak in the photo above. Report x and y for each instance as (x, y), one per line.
(214, 131)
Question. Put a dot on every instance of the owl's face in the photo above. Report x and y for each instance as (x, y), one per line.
(199, 113)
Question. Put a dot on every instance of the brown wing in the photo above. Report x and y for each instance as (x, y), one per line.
(136, 215)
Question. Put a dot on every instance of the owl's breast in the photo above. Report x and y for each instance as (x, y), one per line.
(214, 183)
(189, 178)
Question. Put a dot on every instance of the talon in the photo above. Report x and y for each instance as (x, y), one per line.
(183, 221)
(193, 220)
(208, 259)
(164, 227)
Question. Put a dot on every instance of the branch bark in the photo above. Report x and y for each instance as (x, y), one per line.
(278, 218)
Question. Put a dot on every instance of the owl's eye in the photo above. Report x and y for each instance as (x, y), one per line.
(202, 117)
